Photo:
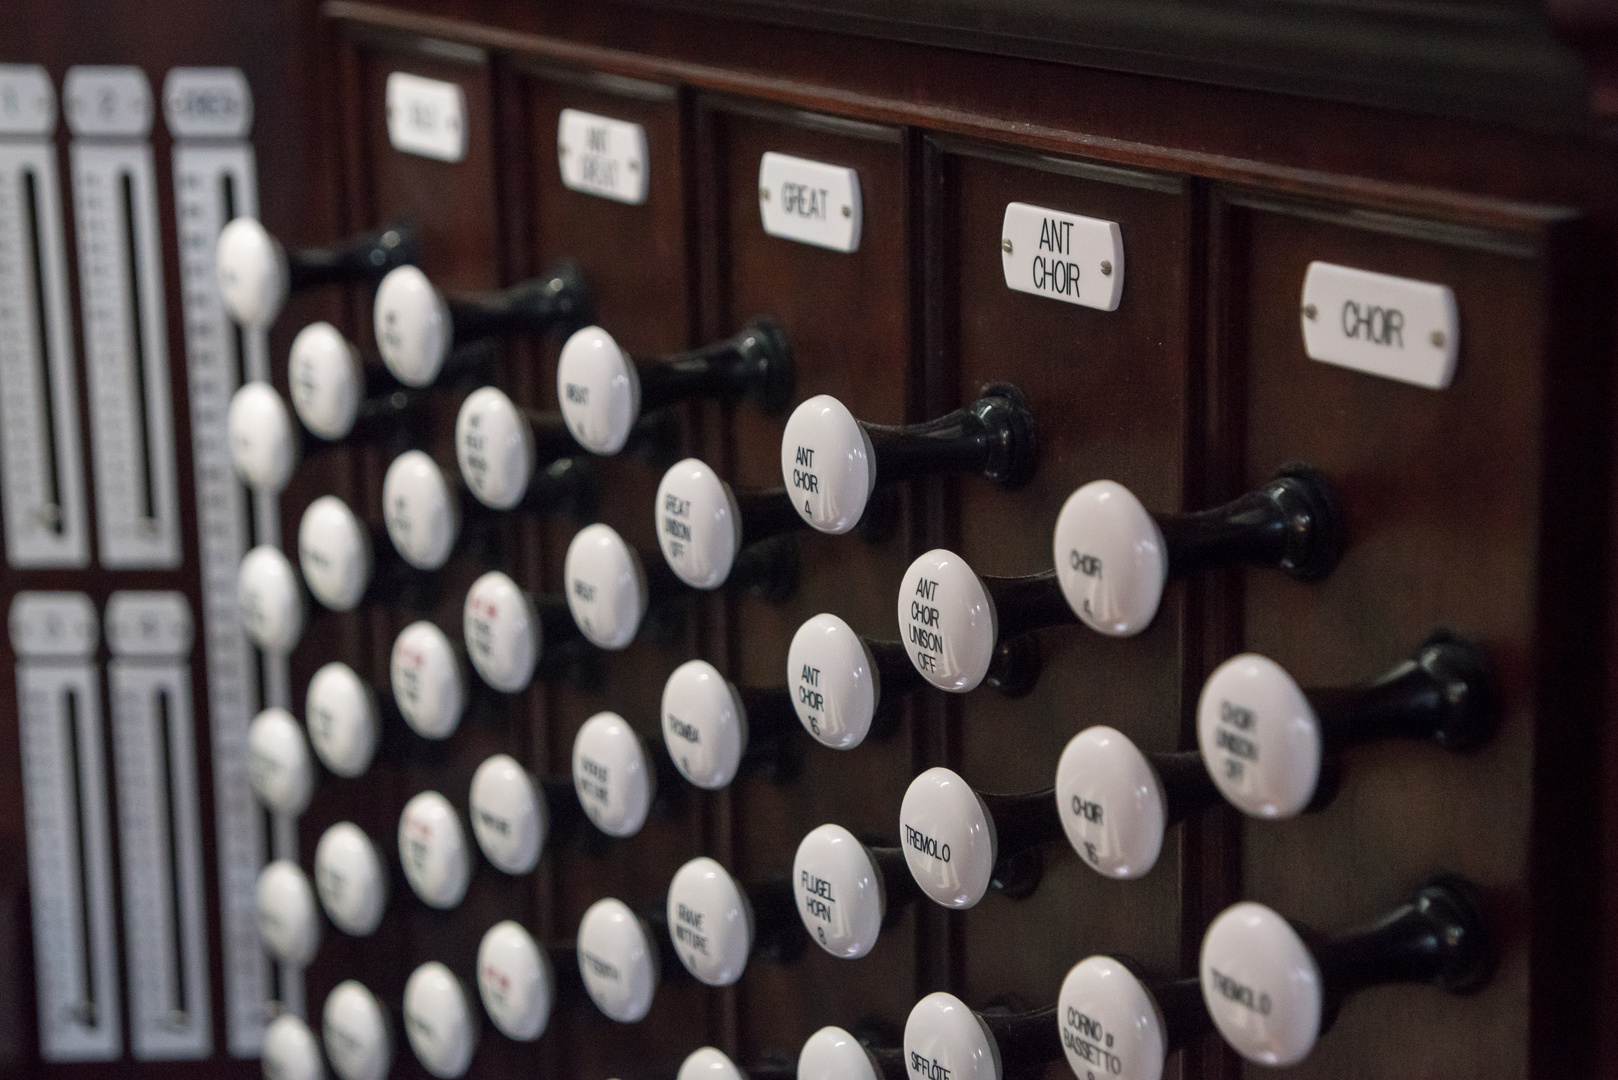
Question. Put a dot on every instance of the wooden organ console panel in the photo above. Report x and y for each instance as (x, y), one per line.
(1143, 478)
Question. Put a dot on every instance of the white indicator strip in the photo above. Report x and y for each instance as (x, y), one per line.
(65, 807)
(43, 475)
(213, 183)
(126, 349)
(159, 832)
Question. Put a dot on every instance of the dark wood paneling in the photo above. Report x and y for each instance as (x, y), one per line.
(1110, 393)
(1441, 490)
(848, 320)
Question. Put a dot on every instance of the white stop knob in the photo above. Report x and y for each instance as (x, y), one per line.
(412, 326)
(432, 849)
(599, 389)
(427, 682)
(612, 775)
(326, 379)
(252, 271)
(263, 443)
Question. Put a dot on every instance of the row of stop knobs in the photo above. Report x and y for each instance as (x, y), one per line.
(1265, 743)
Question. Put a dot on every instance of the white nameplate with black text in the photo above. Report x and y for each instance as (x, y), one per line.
(810, 202)
(1078, 260)
(602, 156)
(426, 116)
(1380, 324)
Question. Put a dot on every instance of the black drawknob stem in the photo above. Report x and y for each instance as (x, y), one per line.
(890, 1061)
(1440, 936)
(1025, 604)
(768, 568)
(669, 966)
(899, 889)
(755, 363)
(765, 514)
(569, 485)
(1185, 1016)
(565, 966)
(1023, 825)
(1293, 522)
(994, 437)
(773, 749)
(562, 804)
(1188, 790)
(897, 678)
(367, 256)
(778, 933)
(1444, 693)
(559, 300)
(1028, 1040)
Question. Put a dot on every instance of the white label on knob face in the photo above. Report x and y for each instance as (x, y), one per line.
(948, 838)
(263, 446)
(271, 600)
(601, 156)
(437, 1021)
(426, 116)
(1110, 559)
(412, 326)
(606, 586)
(834, 682)
(833, 1054)
(426, 679)
(599, 389)
(494, 446)
(287, 921)
(355, 1033)
(1380, 324)
(350, 880)
(839, 891)
(1111, 1026)
(810, 202)
(502, 632)
(1259, 737)
(1261, 984)
(421, 512)
(704, 724)
(710, 922)
(611, 775)
(509, 818)
(699, 526)
(1078, 260)
(709, 1064)
(278, 766)
(290, 1051)
(617, 961)
(944, 1040)
(326, 380)
(949, 622)
(515, 981)
(432, 849)
(827, 464)
(342, 716)
(252, 271)
(334, 552)
(1111, 803)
